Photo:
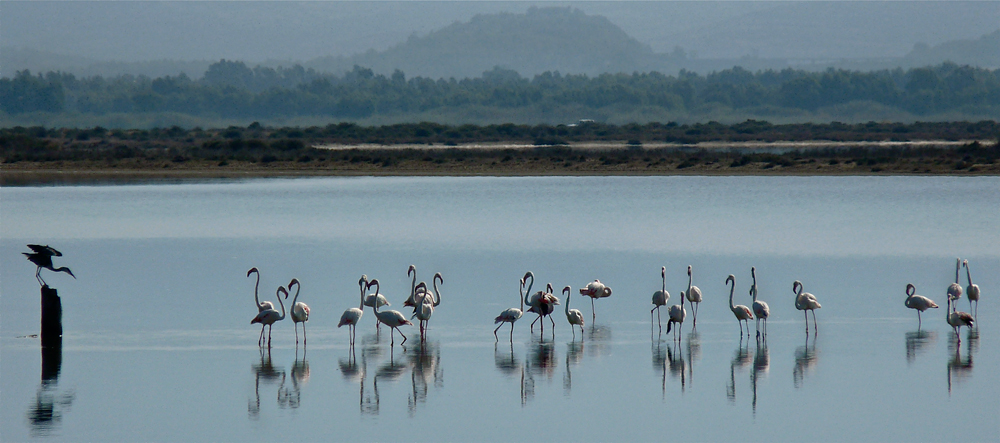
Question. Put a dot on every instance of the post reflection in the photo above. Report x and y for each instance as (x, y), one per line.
(741, 359)
(264, 373)
(960, 369)
(425, 370)
(805, 361)
(49, 405)
(917, 343)
(761, 366)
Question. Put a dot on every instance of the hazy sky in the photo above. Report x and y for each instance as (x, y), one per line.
(291, 30)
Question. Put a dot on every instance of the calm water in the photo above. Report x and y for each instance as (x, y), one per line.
(158, 344)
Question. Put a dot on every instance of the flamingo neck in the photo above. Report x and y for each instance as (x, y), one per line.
(568, 295)
(732, 288)
(968, 274)
(437, 292)
(527, 292)
(255, 286)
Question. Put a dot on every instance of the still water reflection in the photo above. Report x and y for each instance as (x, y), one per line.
(138, 251)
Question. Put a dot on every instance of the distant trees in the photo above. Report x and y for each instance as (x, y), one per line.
(230, 89)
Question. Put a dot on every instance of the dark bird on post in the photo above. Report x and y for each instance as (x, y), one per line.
(42, 257)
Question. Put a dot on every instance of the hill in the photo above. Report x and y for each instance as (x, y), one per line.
(542, 39)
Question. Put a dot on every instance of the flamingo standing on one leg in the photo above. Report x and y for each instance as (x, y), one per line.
(42, 258)
(392, 319)
(805, 302)
(573, 316)
(693, 296)
(660, 298)
(352, 316)
(957, 319)
(269, 316)
(918, 302)
(511, 315)
(677, 315)
(742, 313)
(760, 309)
(595, 290)
(972, 290)
(299, 311)
(955, 289)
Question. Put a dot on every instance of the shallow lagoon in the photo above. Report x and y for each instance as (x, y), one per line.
(158, 343)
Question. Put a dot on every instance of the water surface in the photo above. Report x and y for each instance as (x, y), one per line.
(158, 344)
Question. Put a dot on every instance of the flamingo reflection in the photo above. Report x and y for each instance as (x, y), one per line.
(694, 351)
(425, 362)
(805, 361)
(917, 341)
(542, 358)
(574, 354)
(292, 397)
(677, 365)
(761, 366)
(741, 358)
(959, 368)
(266, 373)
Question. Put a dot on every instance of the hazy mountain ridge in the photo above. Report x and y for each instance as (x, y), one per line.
(983, 52)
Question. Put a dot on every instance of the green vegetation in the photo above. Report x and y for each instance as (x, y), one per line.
(586, 148)
(232, 92)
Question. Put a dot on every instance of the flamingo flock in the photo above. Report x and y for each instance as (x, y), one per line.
(424, 300)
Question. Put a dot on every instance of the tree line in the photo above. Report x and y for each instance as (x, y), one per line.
(230, 89)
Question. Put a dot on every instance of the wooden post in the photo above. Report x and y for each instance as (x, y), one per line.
(51, 318)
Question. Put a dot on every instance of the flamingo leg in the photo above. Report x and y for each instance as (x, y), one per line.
(404, 337)
(498, 328)
(815, 325)
(512, 333)
(553, 322)
(593, 310)
(533, 324)
(806, 315)
(303, 334)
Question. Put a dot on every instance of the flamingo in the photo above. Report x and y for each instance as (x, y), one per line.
(542, 303)
(269, 316)
(427, 302)
(411, 300)
(376, 301)
(918, 302)
(957, 319)
(693, 296)
(261, 305)
(392, 319)
(352, 316)
(972, 290)
(299, 311)
(955, 289)
(804, 302)
(42, 258)
(573, 316)
(595, 290)
(742, 313)
(511, 315)
(760, 309)
(677, 315)
(660, 298)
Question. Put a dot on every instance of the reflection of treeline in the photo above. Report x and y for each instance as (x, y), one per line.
(233, 90)
(262, 146)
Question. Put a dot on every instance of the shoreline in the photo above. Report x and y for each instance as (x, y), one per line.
(507, 159)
